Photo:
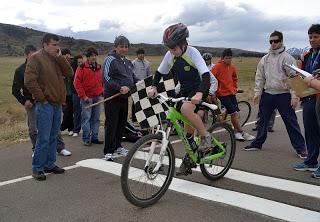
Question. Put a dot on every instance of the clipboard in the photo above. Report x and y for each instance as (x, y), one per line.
(300, 72)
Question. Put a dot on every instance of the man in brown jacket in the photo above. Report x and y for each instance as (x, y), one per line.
(44, 80)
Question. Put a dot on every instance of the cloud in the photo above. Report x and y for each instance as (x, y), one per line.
(211, 23)
(215, 24)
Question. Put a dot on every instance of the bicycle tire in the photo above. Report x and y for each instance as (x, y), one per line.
(209, 118)
(245, 112)
(216, 169)
(135, 166)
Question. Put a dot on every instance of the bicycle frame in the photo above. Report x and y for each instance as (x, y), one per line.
(174, 116)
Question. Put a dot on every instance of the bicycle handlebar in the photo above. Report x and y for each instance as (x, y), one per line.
(185, 99)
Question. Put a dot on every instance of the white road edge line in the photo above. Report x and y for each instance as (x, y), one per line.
(30, 177)
(255, 204)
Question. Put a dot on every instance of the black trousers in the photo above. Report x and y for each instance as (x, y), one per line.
(116, 113)
(67, 121)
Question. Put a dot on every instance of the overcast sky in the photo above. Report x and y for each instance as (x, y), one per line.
(244, 24)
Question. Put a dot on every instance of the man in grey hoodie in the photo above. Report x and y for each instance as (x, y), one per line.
(272, 93)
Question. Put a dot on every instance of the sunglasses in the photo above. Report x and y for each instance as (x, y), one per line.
(275, 41)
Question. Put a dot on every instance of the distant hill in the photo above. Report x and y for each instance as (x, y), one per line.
(13, 39)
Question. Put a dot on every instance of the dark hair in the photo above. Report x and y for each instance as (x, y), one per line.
(90, 51)
(314, 28)
(48, 36)
(226, 52)
(74, 62)
(140, 51)
(121, 40)
(29, 48)
(277, 33)
(65, 51)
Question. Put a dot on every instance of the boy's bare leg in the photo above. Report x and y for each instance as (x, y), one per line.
(235, 120)
(187, 110)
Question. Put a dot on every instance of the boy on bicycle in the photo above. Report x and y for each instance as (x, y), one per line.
(191, 71)
(225, 73)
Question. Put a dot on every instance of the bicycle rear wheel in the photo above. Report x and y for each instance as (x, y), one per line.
(217, 168)
(245, 112)
(209, 118)
(141, 184)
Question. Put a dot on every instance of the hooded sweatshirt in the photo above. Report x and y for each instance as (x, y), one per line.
(271, 72)
(227, 78)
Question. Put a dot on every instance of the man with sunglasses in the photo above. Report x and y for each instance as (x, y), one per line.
(272, 93)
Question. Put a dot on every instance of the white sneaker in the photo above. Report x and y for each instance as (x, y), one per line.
(108, 157)
(65, 152)
(247, 136)
(122, 151)
(70, 133)
(75, 134)
(239, 136)
(32, 154)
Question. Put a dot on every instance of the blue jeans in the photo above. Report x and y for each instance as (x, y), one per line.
(311, 129)
(76, 113)
(90, 119)
(282, 102)
(48, 125)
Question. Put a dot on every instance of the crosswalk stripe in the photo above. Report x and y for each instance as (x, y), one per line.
(260, 180)
(248, 202)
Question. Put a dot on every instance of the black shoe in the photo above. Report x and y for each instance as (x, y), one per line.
(96, 141)
(39, 176)
(86, 143)
(255, 129)
(55, 170)
(270, 130)
(185, 167)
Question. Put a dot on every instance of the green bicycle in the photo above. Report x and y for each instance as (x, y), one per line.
(150, 164)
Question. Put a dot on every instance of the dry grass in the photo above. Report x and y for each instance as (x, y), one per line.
(13, 126)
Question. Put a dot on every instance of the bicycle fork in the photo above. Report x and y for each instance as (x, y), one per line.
(164, 144)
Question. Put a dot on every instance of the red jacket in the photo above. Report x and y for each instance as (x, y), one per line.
(227, 78)
(88, 81)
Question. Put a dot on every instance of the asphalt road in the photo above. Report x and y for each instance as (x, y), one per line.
(271, 191)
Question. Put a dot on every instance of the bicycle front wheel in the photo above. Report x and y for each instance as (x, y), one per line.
(223, 136)
(143, 182)
(245, 112)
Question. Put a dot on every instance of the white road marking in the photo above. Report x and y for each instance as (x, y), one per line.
(256, 179)
(244, 201)
(30, 177)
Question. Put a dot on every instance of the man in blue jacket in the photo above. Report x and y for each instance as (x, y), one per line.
(117, 77)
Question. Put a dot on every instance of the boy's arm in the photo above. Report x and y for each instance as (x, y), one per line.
(235, 80)
(260, 78)
(17, 86)
(77, 82)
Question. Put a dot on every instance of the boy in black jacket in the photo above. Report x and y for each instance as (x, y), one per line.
(117, 77)
(24, 96)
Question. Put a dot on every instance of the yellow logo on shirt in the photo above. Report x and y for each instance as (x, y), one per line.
(187, 68)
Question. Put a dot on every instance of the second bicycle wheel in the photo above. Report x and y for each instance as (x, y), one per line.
(245, 112)
(141, 183)
(224, 135)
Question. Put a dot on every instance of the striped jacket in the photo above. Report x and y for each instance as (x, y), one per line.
(117, 72)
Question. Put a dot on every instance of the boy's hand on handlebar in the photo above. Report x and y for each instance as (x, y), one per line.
(196, 98)
(152, 92)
